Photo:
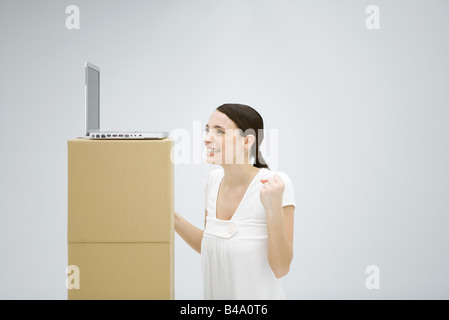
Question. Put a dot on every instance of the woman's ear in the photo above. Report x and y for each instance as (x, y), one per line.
(249, 141)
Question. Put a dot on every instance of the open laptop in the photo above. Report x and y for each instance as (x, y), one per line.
(93, 112)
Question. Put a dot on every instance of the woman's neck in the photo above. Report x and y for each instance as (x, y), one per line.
(238, 174)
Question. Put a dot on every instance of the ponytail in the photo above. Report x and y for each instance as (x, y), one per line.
(259, 160)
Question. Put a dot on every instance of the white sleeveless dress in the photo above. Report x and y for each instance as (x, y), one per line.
(234, 256)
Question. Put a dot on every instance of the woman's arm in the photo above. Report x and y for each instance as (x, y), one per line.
(191, 234)
(280, 239)
(279, 225)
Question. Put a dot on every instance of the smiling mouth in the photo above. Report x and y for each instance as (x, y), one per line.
(211, 152)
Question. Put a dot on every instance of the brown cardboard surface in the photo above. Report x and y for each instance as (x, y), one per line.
(120, 191)
(110, 271)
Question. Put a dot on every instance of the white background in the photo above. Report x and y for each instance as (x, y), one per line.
(361, 116)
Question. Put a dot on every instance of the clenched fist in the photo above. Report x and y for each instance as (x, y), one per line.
(272, 192)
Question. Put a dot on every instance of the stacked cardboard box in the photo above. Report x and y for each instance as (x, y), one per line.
(120, 218)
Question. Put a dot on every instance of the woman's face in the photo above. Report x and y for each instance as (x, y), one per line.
(224, 142)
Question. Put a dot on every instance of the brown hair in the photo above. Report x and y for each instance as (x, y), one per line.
(250, 122)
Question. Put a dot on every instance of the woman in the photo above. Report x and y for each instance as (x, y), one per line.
(247, 244)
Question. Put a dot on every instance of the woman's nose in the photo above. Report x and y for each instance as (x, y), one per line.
(208, 137)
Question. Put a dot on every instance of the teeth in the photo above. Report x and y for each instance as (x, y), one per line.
(213, 150)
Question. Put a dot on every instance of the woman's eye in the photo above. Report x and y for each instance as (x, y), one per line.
(217, 131)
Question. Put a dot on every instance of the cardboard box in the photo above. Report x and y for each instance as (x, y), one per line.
(113, 271)
(120, 229)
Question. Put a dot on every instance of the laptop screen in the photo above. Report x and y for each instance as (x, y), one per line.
(92, 99)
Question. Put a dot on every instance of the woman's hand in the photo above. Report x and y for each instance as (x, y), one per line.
(272, 192)
(191, 234)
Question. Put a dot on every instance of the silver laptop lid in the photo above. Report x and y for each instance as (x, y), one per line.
(92, 96)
